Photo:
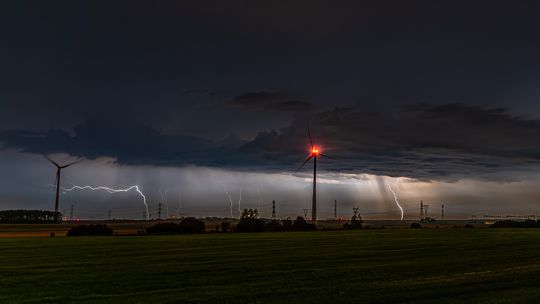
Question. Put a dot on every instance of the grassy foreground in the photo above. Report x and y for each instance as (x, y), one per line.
(369, 266)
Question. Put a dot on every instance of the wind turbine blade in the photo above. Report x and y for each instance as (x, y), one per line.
(310, 139)
(325, 155)
(71, 164)
(52, 161)
(305, 161)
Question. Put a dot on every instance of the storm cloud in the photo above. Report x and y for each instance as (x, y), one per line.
(421, 141)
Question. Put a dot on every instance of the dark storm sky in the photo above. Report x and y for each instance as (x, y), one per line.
(434, 91)
(130, 80)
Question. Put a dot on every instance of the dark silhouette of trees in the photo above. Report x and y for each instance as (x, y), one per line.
(90, 230)
(191, 225)
(416, 226)
(225, 226)
(273, 226)
(163, 228)
(356, 221)
(250, 222)
(514, 224)
(300, 224)
(30, 217)
(287, 224)
(187, 225)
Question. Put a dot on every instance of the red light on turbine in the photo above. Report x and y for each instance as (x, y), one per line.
(315, 151)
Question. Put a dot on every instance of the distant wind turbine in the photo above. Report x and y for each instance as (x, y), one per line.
(315, 152)
(58, 171)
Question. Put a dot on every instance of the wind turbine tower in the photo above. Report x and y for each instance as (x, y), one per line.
(314, 153)
(58, 171)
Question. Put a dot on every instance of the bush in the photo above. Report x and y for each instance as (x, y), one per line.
(225, 226)
(250, 222)
(300, 224)
(88, 230)
(191, 225)
(162, 228)
(416, 226)
(273, 226)
(356, 221)
(187, 225)
(355, 224)
(250, 225)
(287, 224)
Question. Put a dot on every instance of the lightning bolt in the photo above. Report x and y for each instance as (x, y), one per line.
(230, 199)
(396, 200)
(240, 202)
(111, 190)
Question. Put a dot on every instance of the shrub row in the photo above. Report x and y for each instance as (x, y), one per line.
(187, 225)
(30, 217)
(514, 224)
(249, 224)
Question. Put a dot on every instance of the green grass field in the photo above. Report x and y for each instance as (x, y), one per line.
(368, 266)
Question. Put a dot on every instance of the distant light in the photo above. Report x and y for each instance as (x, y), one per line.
(315, 151)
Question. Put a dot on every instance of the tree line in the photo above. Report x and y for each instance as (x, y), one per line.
(514, 224)
(21, 216)
(249, 222)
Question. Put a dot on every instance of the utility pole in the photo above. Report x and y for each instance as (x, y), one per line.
(273, 210)
(71, 213)
(335, 209)
(306, 212)
(159, 210)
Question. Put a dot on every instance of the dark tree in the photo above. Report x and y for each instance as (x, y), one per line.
(250, 222)
(287, 224)
(416, 226)
(191, 225)
(356, 220)
(300, 224)
(273, 226)
(225, 226)
(162, 228)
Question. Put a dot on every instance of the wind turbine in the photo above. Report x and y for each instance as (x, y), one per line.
(58, 170)
(315, 152)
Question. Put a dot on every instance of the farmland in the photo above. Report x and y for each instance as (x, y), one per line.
(369, 266)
